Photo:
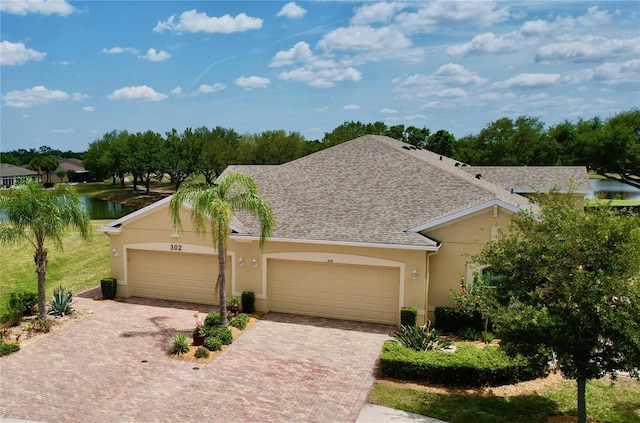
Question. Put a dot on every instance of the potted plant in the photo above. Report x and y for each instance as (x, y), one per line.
(199, 333)
(233, 306)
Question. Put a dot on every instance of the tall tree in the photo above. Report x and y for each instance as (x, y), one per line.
(212, 209)
(567, 282)
(37, 215)
(441, 142)
(146, 159)
(180, 155)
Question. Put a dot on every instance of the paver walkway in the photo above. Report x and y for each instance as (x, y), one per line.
(112, 367)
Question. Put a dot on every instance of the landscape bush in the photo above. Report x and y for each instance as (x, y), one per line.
(248, 302)
(467, 366)
(212, 344)
(418, 339)
(454, 320)
(24, 302)
(408, 316)
(240, 321)
(179, 344)
(201, 352)
(11, 317)
(109, 287)
(60, 304)
(212, 319)
(7, 348)
(222, 333)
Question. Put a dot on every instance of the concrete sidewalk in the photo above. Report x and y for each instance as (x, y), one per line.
(371, 413)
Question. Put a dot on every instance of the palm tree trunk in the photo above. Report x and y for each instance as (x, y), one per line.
(222, 256)
(40, 259)
(582, 401)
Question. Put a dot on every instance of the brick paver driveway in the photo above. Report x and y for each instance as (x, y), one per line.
(112, 367)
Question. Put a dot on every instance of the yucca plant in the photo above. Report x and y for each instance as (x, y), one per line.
(180, 344)
(60, 304)
(416, 338)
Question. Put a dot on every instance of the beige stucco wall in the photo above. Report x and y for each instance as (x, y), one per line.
(437, 272)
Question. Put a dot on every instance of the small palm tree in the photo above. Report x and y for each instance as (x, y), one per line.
(36, 215)
(213, 208)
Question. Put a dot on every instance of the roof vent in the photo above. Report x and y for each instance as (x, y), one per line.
(440, 158)
(478, 176)
(464, 165)
(405, 147)
(457, 164)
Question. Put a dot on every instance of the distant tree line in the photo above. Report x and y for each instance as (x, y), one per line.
(610, 146)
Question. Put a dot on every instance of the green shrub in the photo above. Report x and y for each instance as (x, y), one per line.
(418, 339)
(179, 344)
(467, 366)
(408, 316)
(453, 320)
(248, 302)
(469, 334)
(240, 321)
(201, 352)
(109, 286)
(212, 344)
(212, 319)
(11, 317)
(486, 337)
(39, 325)
(24, 302)
(8, 348)
(60, 304)
(222, 333)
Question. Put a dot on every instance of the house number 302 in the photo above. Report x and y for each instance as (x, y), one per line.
(175, 247)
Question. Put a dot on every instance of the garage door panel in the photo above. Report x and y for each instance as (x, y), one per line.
(343, 291)
(177, 277)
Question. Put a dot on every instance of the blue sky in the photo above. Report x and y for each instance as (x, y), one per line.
(72, 71)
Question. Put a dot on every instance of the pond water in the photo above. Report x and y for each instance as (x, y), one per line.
(611, 189)
(97, 209)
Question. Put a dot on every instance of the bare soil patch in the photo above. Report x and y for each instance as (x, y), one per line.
(25, 333)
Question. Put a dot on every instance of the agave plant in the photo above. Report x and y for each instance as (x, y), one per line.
(416, 338)
(179, 344)
(60, 304)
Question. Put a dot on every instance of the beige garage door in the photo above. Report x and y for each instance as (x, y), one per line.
(175, 276)
(363, 293)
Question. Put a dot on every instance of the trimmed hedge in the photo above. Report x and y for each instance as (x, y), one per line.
(240, 321)
(248, 299)
(221, 332)
(408, 316)
(8, 348)
(453, 320)
(467, 366)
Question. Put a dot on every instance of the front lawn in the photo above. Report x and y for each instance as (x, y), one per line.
(607, 402)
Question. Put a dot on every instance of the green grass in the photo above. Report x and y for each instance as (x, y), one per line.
(79, 266)
(606, 403)
(612, 203)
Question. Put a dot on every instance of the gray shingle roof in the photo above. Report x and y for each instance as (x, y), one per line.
(530, 179)
(13, 170)
(368, 190)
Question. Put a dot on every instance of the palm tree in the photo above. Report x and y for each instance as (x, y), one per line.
(35, 214)
(213, 208)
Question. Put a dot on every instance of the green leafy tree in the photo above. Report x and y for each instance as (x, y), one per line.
(569, 284)
(212, 209)
(441, 142)
(45, 164)
(38, 215)
(180, 155)
(146, 159)
(218, 148)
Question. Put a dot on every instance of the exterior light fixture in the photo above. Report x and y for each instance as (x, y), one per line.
(414, 274)
(115, 252)
(241, 262)
(254, 263)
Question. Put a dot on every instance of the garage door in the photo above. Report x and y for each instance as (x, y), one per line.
(341, 291)
(175, 276)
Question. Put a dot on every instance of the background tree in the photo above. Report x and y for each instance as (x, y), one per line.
(179, 155)
(37, 215)
(146, 159)
(212, 211)
(441, 142)
(568, 282)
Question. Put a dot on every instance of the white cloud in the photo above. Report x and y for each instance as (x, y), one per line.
(192, 21)
(63, 63)
(12, 54)
(595, 17)
(530, 80)
(43, 7)
(388, 111)
(351, 107)
(488, 43)
(445, 14)
(587, 49)
(292, 10)
(452, 92)
(446, 82)
(120, 50)
(211, 88)
(79, 96)
(536, 27)
(454, 73)
(301, 52)
(618, 73)
(88, 109)
(361, 38)
(250, 82)
(62, 131)
(322, 78)
(155, 56)
(176, 91)
(136, 93)
(322, 109)
(376, 12)
(33, 96)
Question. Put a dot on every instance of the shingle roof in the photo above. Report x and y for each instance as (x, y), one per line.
(530, 179)
(13, 170)
(369, 190)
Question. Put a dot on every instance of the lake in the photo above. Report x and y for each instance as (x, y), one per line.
(97, 209)
(611, 189)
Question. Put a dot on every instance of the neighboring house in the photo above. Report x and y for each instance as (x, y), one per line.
(362, 229)
(12, 175)
(73, 169)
